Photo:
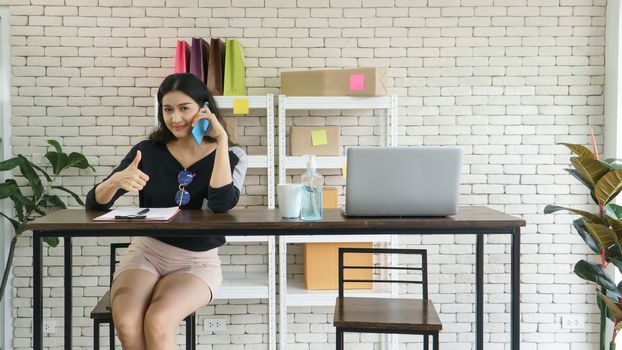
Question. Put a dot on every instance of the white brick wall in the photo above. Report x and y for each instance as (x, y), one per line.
(505, 79)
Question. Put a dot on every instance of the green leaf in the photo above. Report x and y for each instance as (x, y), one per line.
(33, 178)
(79, 161)
(43, 172)
(51, 241)
(576, 175)
(59, 161)
(10, 164)
(612, 163)
(605, 236)
(14, 222)
(608, 187)
(579, 150)
(616, 226)
(615, 308)
(613, 211)
(55, 201)
(594, 273)
(23, 200)
(20, 228)
(56, 145)
(589, 170)
(551, 208)
(579, 225)
(8, 188)
(75, 196)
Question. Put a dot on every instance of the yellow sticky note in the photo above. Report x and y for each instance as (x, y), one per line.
(344, 169)
(319, 137)
(240, 106)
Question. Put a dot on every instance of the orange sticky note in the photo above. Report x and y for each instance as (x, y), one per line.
(357, 82)
(240, 106)
(319, 137)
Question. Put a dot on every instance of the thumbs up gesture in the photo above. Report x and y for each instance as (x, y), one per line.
(131, 178)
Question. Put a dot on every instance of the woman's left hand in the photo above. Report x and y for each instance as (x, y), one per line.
(215, 129)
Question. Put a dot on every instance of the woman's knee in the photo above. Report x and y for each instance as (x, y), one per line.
(130, 331)
(159, 324)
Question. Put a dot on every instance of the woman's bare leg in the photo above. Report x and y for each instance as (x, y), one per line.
(130, 296)
(175, 296)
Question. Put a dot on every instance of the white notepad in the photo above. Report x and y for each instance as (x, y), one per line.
(130, 213)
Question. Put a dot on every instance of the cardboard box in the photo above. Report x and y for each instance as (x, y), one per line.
(330, 198)
(232, 127)
(302, 140)
(336, 82)
(322, 266)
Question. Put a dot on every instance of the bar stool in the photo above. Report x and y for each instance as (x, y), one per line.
(386, 315)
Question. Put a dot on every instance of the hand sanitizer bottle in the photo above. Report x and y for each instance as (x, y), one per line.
(312, 184)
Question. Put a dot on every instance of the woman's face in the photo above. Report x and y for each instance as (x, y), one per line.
(178, 111)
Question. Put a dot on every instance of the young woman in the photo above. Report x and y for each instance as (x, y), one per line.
(160, 281)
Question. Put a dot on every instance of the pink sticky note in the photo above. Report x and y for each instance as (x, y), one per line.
(357, 82)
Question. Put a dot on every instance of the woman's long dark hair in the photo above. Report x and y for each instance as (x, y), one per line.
(192, 86)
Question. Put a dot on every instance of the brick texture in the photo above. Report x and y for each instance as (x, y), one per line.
(506, 80)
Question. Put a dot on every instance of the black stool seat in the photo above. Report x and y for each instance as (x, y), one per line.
(103, 310)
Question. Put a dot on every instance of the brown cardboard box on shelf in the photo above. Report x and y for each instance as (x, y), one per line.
(330, 198)
(301, 141)
(232, 127)
(322, 266)
(335, 82)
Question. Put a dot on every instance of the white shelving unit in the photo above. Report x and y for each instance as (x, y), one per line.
(254, 285)
(257, 285)
(293, 292)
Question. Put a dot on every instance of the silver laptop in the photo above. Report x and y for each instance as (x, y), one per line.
(403, 181)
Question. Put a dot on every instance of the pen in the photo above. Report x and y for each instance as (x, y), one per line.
(142, 212)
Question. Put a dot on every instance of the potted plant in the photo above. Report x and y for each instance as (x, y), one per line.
(601, 231)
(38, 199)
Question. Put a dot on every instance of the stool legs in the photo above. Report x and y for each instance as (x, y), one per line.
(339, 340)
(95, 335)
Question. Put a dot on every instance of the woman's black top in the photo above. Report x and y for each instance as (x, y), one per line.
(162, 168)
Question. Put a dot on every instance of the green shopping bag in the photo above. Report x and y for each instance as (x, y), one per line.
(235, 72)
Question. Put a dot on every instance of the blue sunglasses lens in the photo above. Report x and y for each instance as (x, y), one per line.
(185, 177)
(182, 197)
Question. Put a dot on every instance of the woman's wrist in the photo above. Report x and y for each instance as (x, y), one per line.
(222, 139)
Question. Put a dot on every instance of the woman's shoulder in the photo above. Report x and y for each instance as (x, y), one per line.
(148, 146)
(238, 152)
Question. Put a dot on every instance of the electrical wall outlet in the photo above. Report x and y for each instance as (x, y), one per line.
(573, 322)
(214, 324)
(49, 327)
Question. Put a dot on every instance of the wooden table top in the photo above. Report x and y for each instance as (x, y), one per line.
(263, 219)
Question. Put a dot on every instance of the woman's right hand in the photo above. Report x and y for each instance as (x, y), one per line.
(131, 178)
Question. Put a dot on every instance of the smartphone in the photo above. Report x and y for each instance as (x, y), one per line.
(200, 128)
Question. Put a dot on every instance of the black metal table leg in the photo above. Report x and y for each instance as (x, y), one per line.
(479, 292)
(37, 277)
(68, 291)
(515, 292)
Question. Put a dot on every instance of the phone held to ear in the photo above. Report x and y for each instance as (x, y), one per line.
(201, 127)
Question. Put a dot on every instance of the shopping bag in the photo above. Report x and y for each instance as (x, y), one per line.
(235, 72)
(182, 57)
(198, 58)
(215, 66)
